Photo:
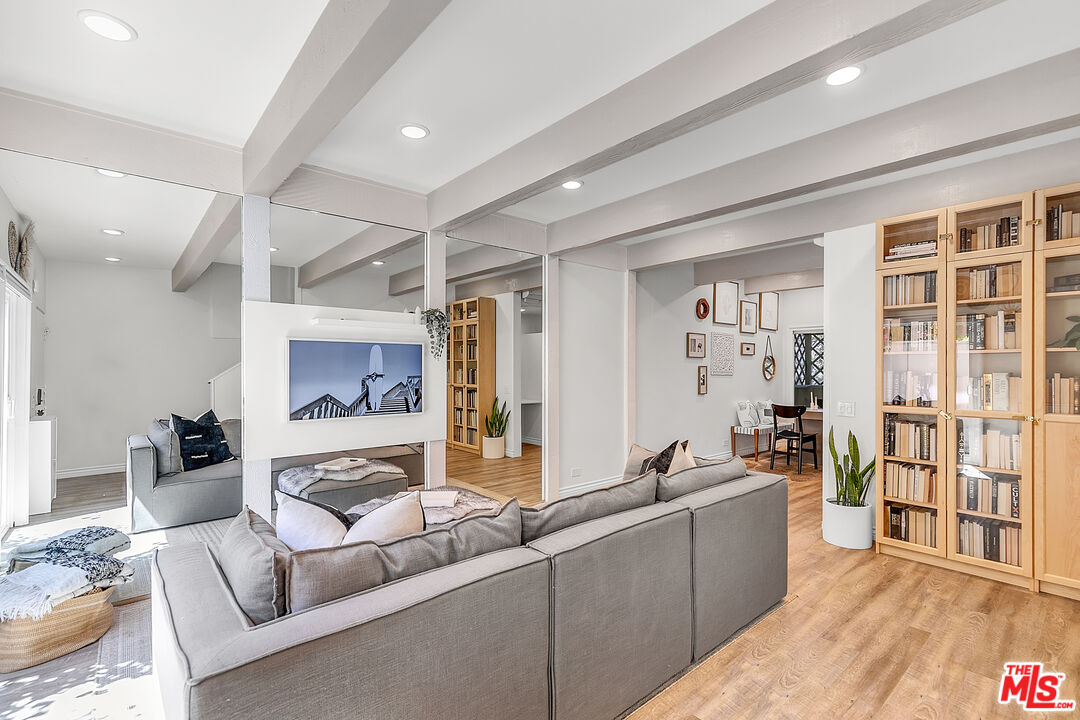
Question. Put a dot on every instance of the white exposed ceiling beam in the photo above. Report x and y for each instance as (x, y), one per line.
(784, 281)
(463, 266)
(530, 278)
(55, 130)
(220, 224)
(371, 243)
(793, 258)
(610, 257)
(506, 231)
(965, 120)
(352, 44)
(331, 192)
(782, 46)
(1045, 166)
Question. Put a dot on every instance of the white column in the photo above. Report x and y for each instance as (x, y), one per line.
(630, 366)
(254, 287)
(550, 447)
(435, 297)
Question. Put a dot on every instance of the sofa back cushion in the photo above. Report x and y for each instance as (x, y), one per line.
(325, 574)
(540, 521)
(254, 562)
(166, 446)
(234, 435)
(706, 474)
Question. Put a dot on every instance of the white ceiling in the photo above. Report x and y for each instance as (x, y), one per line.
(70, 204)
(203, 67)
(299, 235)
(487, 74)
(1010, 35)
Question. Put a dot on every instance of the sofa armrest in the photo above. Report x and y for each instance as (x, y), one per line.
(212, 662)
(141, 478)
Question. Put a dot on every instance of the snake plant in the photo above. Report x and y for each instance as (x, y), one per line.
(497, 419)
(851, 482)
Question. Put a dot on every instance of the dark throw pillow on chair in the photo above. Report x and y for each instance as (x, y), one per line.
(202, 441)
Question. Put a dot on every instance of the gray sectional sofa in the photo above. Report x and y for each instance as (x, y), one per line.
(581, 623)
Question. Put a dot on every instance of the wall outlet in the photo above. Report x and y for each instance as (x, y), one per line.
(845, 409)
(575, 473)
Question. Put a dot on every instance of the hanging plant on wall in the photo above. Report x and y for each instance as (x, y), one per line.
(438, 328)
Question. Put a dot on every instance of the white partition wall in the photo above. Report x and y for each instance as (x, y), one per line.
(15, 417)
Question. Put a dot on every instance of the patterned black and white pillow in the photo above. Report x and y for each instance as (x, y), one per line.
(202, 441)
(662, 460)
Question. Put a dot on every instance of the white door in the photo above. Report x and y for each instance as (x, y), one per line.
(15, 410)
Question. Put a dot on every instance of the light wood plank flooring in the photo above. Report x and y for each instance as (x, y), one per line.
(864, 635)
(512, 477)
(87, 494)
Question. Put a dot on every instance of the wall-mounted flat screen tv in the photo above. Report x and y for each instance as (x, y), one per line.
(339, 379)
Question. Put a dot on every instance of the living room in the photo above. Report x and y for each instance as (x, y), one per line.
(421, 299)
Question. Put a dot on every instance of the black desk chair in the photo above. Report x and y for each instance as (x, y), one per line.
(795, 438)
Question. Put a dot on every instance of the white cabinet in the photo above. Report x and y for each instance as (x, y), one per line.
(42, 464)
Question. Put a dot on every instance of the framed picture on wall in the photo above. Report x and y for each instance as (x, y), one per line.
(747, 348)
(725, 303)
(748, 316)
(769, 311)
(695, 345)
(702, 379)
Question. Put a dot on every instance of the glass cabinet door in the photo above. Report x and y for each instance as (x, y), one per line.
(990, 471)
(988, 228)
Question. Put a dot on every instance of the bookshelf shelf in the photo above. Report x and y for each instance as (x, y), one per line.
(988, 516)
(1062, 295)
(909, 461)
(1062, 350)
(915, 503)
(911, 306)
(1000, 471)
(908, 410)
(991, 351)
(1012, 300)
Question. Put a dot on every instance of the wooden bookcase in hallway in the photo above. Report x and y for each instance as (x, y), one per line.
(979, 389)
(470, 371)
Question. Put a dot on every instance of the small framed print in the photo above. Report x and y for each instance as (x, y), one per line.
(769, 311)
(725, 303)
(702, 379)
(695, 345)
(748, 317)
(747, 348)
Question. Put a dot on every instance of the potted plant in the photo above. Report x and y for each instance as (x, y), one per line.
(438, 327)
(494, 443)
(846, 518)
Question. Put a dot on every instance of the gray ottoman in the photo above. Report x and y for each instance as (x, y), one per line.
(343, 494)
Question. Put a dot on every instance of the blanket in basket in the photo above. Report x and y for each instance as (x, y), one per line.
(94, 539)
(59, 575)
(295, 480)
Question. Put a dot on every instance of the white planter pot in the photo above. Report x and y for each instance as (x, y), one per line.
(493, 447)
(847, 527)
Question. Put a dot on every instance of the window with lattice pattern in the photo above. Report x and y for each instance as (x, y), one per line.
(809, 358)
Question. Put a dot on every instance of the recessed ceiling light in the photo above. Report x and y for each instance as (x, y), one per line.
(844, 75)
(110, 173)
(572, 185)
(273, 249)
(414, 132)
(112, 259)
(522, 309)
(112, 231)
(378, 262)
(107, 26)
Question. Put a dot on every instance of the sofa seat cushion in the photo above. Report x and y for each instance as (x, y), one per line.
(221, 471)
(325, 574)
(706, 474)
(253, 561)
(540, 521)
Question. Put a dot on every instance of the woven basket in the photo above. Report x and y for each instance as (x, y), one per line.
(71, 625)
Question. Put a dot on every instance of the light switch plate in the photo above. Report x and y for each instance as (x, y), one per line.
(845, 409)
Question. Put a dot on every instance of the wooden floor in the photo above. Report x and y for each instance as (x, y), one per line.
(87, 494)
(864, 635)
(512, 477)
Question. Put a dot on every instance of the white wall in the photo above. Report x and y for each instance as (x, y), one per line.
(850, 364)
(592, 354)
(366, 288)
(123, 349)
(667, 404)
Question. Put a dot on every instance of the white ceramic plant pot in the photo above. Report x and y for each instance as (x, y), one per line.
(493, 447)
(847, 527)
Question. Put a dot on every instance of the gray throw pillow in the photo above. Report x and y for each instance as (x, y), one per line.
(254, 561)
(167, 446)
(706, 474)
(537, 522)
(320, 575)
(233, 435)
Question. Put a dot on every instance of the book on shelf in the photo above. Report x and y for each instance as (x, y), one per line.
(909, 335)
(910, 482)
(1062, 224)
(910, 389)
(1063, 395)
(989, 282)
(991, 449)
(911, 289)
(1004, 233)
(906, 251)
(914, 525)
(910, 439)
(1002, 330)
(999, 392)
(986, 539)
(983, 493)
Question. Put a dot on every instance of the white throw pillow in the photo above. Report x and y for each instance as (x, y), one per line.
(682, 460)
(397, 518)
(303, 525)
(765, 413)
(748, 414)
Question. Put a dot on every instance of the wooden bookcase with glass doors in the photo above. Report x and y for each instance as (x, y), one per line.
(470, 366)
(978, 446)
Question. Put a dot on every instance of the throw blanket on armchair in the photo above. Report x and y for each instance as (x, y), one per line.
(295, 480)
(59, 575)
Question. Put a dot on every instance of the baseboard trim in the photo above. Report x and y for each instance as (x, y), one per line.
(587, 486)
(531, 441)
(83, 472)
